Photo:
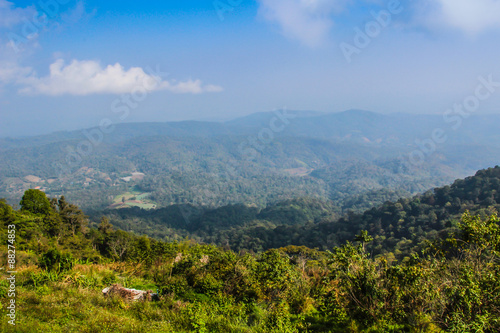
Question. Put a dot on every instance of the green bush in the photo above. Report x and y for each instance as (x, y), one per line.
(53, 259)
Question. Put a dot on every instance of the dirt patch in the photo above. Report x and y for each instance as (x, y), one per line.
(33, 179)
(299, 172)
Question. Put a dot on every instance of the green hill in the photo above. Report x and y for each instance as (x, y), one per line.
(401, 226)
(333, 156)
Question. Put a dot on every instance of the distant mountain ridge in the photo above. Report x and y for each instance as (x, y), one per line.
(351, 125)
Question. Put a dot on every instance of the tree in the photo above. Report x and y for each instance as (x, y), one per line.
(120, 243)
(52, 224)
(482, 235)
(105, 227)
(35, 201)
(6, 213)
(72, 216)
(363, 237)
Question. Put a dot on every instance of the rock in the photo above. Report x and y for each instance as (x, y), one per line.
(130, 294)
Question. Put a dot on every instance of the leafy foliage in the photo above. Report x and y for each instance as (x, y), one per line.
(35, 201)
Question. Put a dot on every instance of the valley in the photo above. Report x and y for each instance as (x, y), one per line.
(202, 163)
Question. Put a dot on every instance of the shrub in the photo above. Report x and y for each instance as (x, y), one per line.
(53, 259)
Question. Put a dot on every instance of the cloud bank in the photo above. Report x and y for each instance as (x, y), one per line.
(311, 21)
(82, 78)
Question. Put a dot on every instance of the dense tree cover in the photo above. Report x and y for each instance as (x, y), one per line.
(345, 157)
(224, 168)
(399, 227)
(452, 285)
(406, 224)
(222, 225)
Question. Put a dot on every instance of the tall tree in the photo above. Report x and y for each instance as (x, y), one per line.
(72, 216)
(35, 201)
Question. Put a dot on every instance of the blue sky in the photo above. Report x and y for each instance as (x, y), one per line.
(68, 64)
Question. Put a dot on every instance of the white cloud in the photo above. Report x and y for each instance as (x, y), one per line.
(21, 27)
(10, 16)
(11, 72)
(78, 14)
(89, 77)
(308, 21)
(470, 16)
(311, 21)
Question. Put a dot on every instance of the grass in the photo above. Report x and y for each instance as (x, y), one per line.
(72, 301)
(133, 198)
(70, 309)
(140, 205)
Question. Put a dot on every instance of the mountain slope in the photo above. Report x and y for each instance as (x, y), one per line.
(401, 226)
(327, 156)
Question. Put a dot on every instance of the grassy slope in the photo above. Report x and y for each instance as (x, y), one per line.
(73, 302)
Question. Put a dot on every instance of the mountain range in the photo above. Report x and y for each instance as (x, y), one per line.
(259, 159)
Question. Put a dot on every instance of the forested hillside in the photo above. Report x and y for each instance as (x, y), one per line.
(62, 265)
(399, 227)
(260, 159)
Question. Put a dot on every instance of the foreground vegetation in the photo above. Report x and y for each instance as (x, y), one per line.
(62, 265)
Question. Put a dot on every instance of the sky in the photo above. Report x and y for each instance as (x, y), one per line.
(69, 64)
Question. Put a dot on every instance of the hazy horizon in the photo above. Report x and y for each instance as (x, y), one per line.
(216, 120)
